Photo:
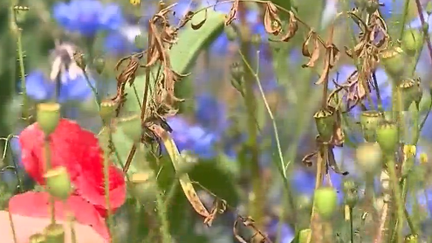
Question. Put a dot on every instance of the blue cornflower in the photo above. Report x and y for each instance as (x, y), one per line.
(87, 17)
(193, 138)
(392, 7)
(72, 88)
(122, 41)
(210, 112)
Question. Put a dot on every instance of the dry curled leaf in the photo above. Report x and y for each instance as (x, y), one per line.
(292, 27)
(232, 13)
(248, 222)
(272, 22)
(315, 53)
(307, 159)
(331, 57)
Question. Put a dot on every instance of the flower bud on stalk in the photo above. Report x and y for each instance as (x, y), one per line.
(230, 32)
(48, 117)
(132, 127)
(369, 121)
(99, 64)
(20, 13)
(325, 200)
(58, 182)
(369, 157)
(54, 233)
(325, 121)
(37, 238)
(394, 62)
(387, 137)
(412, 41)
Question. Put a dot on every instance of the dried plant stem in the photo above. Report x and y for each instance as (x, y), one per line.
(12, 227)
(383, 222)
(47, 167)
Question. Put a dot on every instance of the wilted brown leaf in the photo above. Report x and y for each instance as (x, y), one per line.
(233, 13)
(272, 22)
(292, 27)
(307, 159)
(315, 53)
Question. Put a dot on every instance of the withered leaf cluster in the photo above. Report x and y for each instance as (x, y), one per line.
(373, 39)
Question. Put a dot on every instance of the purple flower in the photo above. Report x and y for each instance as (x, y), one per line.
(122, 41)
(87, 17)
(286, 233)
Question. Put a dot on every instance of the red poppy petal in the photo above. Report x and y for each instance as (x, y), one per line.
(95, 193)
(79, 151)
(36, 204)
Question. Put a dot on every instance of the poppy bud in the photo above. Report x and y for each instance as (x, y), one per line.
(325, 121)
(99, 64)
(37, 238)
(325, 200)
(107, 109)
(132, 127)
(54, 233)
(372, 6)
(144, 186)
(411, 238)
(369, 157)
(48, 117)
(393, 61)
(58, 182)
(303, 235)
(80, 59)
(410, 92)
(412, 41)
(387, 137)
(369, 121)
(140, 42)
(230, 32)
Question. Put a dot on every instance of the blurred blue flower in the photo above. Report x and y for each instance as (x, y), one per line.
(72, 88)
(286, 233)
(193, 138)
(122, 41)
(329, 12)
(417, 24)
(87, 17)
(391, 7)
(210, 112)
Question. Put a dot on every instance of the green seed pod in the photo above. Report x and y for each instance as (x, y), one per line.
(369, 121)
(325, 121)
(410, 92)
(54, 233)
(21, 13)
(140, 42)
(107, 109)
(58, 182)
(144, 187)
(412, 41)
(99, 64)
(237, 76)
(48, 117)
(37, 238)
(304, 235)
(325, 200)
(387, 137)
(230, 32)
(394, 62)
(411, 239)
(369, 157)
(132, 127)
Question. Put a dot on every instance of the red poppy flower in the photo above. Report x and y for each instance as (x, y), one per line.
(78, 150)
(36, 205)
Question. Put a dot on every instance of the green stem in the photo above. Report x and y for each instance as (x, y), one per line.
(404, 19)
(107, 198)
(161, 211)
(351, 224)
(397, 196)
(48, 167)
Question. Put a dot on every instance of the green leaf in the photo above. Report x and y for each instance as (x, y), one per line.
(182, 55)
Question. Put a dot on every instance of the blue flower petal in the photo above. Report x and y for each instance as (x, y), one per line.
(38, 87)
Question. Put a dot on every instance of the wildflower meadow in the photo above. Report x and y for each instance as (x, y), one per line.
(219, 121)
